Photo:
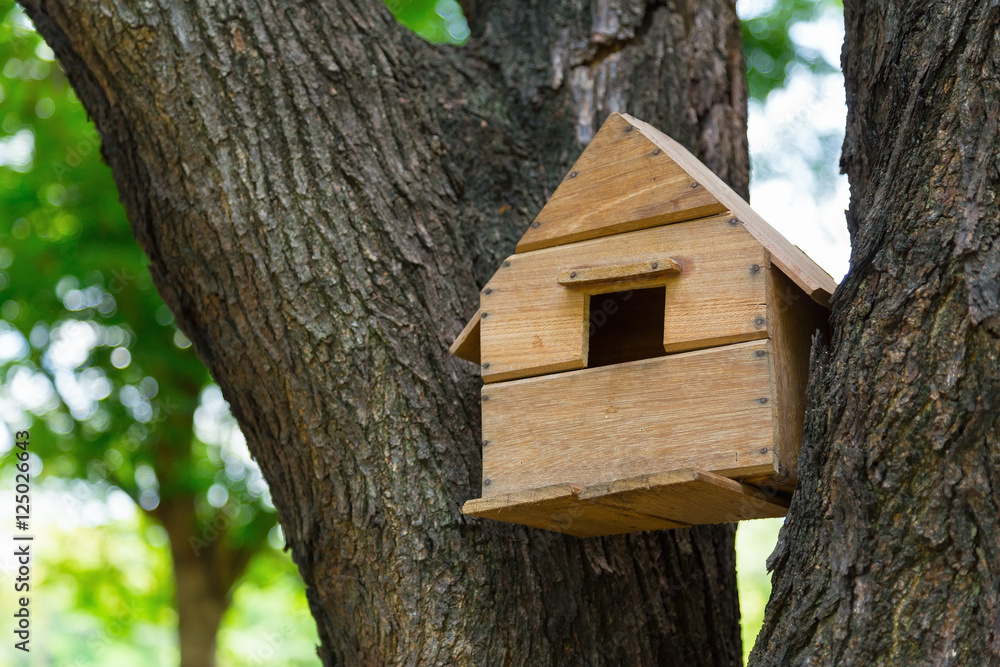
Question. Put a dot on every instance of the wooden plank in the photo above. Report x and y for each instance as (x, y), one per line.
(709, 409)
(622, 182)
(794, 318)
(467, 344)
(795, 264)
(692, 497)
(558, 508)
(533, 325)
(661, 501)
(600, 275)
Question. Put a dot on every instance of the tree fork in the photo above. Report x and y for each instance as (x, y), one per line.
(320, 193)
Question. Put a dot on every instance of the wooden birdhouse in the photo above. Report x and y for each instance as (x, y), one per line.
(645, 351)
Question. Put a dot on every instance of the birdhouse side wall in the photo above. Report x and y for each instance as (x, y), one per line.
(793, 319)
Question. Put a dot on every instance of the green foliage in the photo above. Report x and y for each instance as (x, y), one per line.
(102, 595)
(755, 541)
(437, 21)
(91, 360)
(269, 621)
(90, 351)
(768, 45)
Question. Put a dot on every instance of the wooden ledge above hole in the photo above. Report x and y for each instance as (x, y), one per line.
(597, 275)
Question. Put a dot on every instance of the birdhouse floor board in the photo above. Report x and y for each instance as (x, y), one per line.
(659, 501)
(710, 409)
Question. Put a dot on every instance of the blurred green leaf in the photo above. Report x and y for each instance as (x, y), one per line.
(437, 21)
(768, 45)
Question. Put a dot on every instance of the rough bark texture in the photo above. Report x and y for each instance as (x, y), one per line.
(320, 193)
(891, 551)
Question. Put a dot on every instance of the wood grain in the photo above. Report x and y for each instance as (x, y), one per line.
(621, 182)
(633, 176)
(808, 275)
(532, 325)
(794, 318)
(559, 508)
(614, 273)
(709, 409)
(661, 501)
(467, 344)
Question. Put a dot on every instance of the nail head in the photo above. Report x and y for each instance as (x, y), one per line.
(536, 224)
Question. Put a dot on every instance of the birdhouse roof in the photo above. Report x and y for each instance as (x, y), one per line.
(632, 176)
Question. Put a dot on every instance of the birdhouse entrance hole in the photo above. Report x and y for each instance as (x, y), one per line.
(626, 326)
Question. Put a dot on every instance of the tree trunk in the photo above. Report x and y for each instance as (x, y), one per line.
(321, 194)
(205, 569)
(200, 606)
(891, 551)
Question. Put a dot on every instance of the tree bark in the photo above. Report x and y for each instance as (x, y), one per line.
(320, 194)
(891, 551)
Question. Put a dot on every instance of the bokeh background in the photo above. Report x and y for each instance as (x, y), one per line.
(145, 500)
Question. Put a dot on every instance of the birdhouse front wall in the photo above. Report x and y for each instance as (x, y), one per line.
(710, 410)
(533, 324)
